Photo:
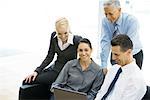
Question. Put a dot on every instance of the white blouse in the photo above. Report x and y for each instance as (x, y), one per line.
(64, 46)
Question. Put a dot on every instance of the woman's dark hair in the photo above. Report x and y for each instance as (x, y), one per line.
(87, 41)
(123, 41)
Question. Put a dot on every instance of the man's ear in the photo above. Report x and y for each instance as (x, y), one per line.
(129, 51)
(119, 9)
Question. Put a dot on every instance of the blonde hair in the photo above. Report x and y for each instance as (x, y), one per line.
(62, 21)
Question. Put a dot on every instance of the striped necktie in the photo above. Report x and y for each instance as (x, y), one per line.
(112, 84)
(115, 29)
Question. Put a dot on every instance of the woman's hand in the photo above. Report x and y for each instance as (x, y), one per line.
(31, 77)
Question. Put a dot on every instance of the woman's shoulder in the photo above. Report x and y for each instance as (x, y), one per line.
(53, 34)
(96, 66)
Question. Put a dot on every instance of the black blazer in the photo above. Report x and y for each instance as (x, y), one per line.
(62, 55)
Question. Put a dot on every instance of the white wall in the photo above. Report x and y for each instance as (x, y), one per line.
(27, 24)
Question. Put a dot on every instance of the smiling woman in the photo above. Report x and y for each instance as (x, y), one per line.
(82, 74)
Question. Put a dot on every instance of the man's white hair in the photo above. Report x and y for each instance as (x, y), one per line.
(114, 3)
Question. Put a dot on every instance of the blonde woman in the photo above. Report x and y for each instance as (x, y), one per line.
(64, 44)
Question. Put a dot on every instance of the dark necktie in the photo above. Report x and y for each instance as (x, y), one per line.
(115, 29)
(112, 84)
(115, 33)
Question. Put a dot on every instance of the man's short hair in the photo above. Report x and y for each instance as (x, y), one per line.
(123, 41)
(114, 3)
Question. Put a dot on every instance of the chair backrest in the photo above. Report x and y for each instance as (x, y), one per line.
(34, 92)
(147, 94)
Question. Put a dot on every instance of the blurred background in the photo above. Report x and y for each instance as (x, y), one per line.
(26, 25)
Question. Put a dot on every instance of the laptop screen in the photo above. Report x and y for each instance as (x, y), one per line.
(65, 94)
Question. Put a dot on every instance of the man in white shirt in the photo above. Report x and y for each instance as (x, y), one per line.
(130, 84)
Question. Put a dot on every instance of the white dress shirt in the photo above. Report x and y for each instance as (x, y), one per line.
(69, 41)
(129, 86)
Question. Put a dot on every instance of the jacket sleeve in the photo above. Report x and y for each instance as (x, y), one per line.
(50, 55)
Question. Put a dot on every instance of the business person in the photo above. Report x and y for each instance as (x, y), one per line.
(64, 44)
(123, 81)
(116, 22)
(82, 74)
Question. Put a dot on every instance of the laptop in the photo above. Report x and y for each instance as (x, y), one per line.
(65, 94)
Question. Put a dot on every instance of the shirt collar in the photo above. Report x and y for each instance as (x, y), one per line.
(126, 67)
(129, 66)
(92, 67)
(70, 38)
(119, 21)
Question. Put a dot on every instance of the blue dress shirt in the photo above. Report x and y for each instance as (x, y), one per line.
(126, 24)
